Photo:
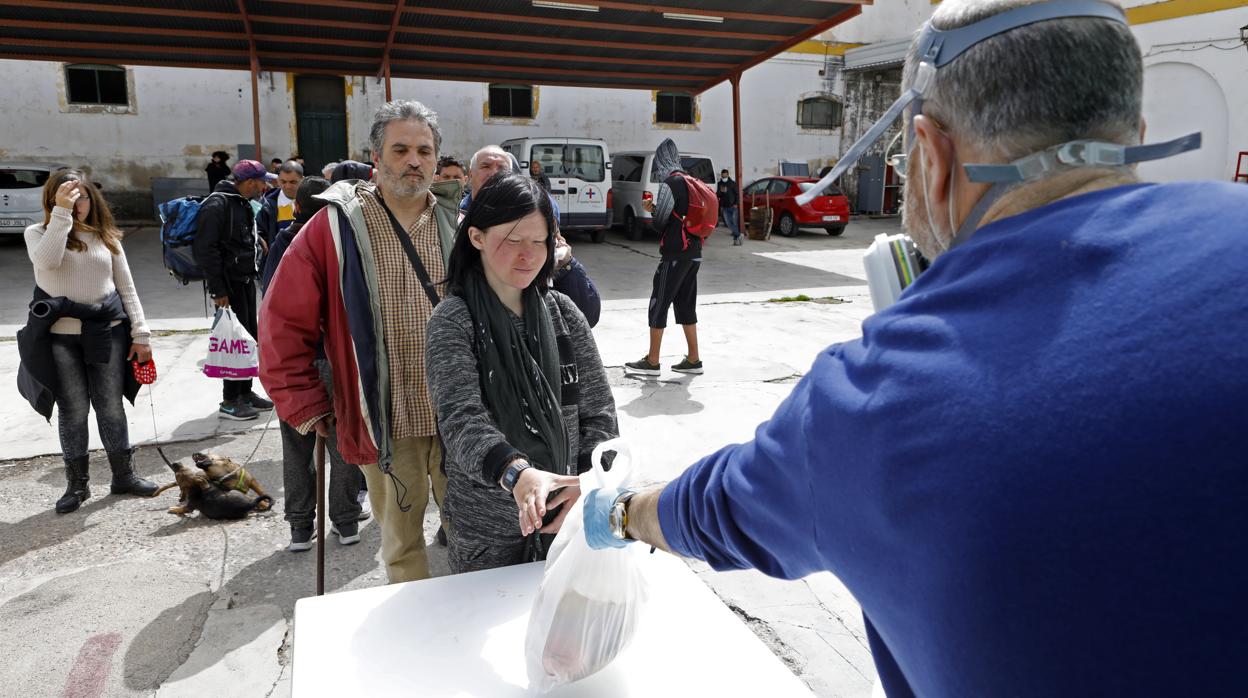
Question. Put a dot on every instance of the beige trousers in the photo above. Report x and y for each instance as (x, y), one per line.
(417, 461)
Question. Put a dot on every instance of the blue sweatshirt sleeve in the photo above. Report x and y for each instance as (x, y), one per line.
(751, 505)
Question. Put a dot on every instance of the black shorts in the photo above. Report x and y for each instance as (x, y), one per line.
(675, 284)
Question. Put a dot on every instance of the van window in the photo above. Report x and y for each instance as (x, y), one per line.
(585, 162)
(550, 155)
(627, 168)
(695, 167)
(22, 179)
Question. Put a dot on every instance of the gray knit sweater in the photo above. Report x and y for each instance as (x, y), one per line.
(476, 451)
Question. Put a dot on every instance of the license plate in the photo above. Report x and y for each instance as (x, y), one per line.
(12, 222)
(832, 219)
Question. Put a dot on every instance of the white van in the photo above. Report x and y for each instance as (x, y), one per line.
(634, 181)
(579, 178)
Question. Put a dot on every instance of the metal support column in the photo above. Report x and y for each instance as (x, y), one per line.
(736, 145)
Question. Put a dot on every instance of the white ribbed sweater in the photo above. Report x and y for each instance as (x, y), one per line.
(85, 277)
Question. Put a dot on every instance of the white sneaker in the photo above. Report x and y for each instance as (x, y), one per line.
(366, 507)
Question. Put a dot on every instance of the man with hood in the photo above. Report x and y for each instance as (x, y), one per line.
(676, 279)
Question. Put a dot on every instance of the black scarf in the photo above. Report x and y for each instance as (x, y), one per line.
(519, 374)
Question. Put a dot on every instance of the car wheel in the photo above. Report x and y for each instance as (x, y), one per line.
(599, 236)
(835, 230)
(632, 226)
(786, 226)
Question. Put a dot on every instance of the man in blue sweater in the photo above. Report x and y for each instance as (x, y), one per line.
(1030, 471)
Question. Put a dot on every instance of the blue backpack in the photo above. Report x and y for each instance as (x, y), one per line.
(179, 220)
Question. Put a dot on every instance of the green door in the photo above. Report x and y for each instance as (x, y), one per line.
(321, 115)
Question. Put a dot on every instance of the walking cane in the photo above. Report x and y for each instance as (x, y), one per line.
(320, 515)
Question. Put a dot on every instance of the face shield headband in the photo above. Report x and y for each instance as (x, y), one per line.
(937, 48)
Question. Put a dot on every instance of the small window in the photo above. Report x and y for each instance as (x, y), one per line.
(627, 168)
(17, 178)
(585, 162)
(819, 112)
(96, 84)
(673, 108)
(550, 157)
(511, 101)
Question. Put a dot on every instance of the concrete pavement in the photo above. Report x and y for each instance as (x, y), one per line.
(121, 598)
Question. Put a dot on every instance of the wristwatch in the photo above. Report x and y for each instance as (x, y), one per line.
(511, 474)
(618, 518)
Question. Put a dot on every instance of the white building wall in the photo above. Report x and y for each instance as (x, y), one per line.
(1196, 79)
(181, 115)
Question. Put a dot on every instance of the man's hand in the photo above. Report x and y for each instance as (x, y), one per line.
(140, 352)
(597, 519)
(648, 205)
(324, 425)
(222, 301)
(532, 491)
(264, 245)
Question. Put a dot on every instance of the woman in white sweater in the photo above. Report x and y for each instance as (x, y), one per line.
(78, 259)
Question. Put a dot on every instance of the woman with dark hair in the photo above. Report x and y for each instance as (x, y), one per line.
(515, 377)
(85, 323)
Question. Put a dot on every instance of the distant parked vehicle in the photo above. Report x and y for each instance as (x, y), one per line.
(577, 168)
(633, 181)
(829, 211)
(21, 190)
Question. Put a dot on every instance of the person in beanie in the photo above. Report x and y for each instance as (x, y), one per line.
(227, 249)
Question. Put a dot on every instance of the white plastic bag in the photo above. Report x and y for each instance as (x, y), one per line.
(231, 349)
(587, 607)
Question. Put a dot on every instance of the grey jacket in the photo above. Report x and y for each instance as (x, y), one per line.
(475, 449)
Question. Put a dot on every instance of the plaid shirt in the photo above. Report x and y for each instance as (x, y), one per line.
(405, 310)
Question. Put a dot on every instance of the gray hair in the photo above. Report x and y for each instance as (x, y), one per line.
(489, 149)
(291, 166)
(398, 110)
(328, 169)
(1036, 86)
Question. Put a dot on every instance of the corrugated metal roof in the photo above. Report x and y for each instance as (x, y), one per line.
(885, 54)
(624, 43)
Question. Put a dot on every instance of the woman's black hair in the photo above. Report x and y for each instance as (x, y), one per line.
(504, 198)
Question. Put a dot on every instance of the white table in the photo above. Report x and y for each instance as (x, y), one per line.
(463, 635)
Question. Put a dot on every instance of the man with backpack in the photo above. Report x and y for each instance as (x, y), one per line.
(686, 211)
(227, 251)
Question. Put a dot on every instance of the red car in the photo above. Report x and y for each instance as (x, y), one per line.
(829, 211)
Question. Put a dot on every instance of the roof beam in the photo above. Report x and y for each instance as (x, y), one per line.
(528, 70)
(384, 68)
(555, 83)
(545, 41)
(113, 49)
(565, 57)
(787, 44)
(101, 30)
(660, 9)
(112, 58)
(589, 24)
(118, 9)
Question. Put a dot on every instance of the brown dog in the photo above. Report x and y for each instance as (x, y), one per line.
(218, 488)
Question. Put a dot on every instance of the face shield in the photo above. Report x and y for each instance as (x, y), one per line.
(937, 48)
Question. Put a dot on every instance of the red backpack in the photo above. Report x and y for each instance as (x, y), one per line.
(703, 213)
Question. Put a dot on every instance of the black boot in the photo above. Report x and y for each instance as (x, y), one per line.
(76, 492)
(124, 479)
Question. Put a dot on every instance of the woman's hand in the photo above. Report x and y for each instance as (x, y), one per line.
(68, 194)
(534, 488)
(140, 352)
